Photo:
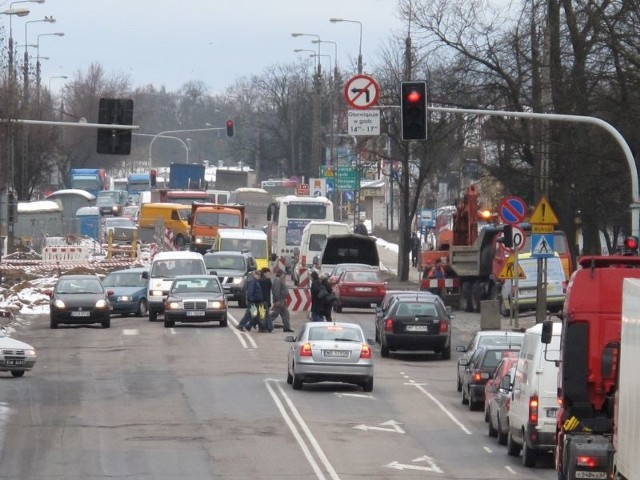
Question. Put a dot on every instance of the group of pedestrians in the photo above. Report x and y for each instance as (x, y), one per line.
(266, 301)
(323, 297)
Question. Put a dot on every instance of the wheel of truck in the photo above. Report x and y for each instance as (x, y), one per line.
(529, 455)
(476, 297)
(466, 300)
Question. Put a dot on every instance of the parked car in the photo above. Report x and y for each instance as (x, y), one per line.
(485, 337)
(415, 324)
(79, 299)
(232, 269)
(15, 356)
(195, 299)
(127, 291)
(497, 398)
(478, 369)
(330, 352)
(360, 289)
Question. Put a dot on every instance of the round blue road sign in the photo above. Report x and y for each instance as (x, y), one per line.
(512, 210)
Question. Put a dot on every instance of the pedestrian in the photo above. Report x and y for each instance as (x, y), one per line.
(280, 292)
(328, 296)
(437, 271)
(253, 293)
(317, 304)
(415, 249)
(265, 324)
(361, 228)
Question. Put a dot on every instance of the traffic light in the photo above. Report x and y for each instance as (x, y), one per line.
(630, 246)
(413, 105)
(118, 111)
(153, 178)
(230, 128)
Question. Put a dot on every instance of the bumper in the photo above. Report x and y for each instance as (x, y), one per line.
(415, 342)
(361, 302)
(334, 373)
(26, 365)
(94, 317)
(155, 303)
(540, 439)
(476, 391)
(183, 317)
(124, 307)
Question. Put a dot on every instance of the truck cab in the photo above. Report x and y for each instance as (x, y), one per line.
(205, 220)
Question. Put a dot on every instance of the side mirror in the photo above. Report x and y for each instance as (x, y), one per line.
(145, 275)
(547, 331)
(463, 362)
(316, 259)
(289, 338)
(461, 348)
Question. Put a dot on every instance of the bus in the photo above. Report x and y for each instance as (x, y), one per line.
(256, 202)
(287, 217)
(280, 188)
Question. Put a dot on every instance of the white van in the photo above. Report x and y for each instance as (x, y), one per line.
(164, 268)
(314, 236)
(534, 397)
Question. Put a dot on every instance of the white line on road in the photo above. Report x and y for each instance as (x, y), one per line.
(242, 336)
(443, 408)
(303, 426)
(510, 470)
(130, 331)
(487, 449)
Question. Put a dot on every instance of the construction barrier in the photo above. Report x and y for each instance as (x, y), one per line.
(65, 254)
(303, 281)
(440, 283)
(299, 299)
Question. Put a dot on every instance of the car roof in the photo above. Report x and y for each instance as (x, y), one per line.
(242, 234)
(332, 324)
(79, 276)
(131, 270)
(176, 254)
(227, 253)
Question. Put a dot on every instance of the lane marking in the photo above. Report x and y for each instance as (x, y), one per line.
(243, 337)
(130, 331)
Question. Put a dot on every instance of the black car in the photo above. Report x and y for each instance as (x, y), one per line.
(415, 323)
(393, 295)
(195, 299)
(477, 371)
(79, 299)
(232, 269)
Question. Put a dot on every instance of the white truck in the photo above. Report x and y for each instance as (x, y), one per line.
(314, 237)
(627, 430)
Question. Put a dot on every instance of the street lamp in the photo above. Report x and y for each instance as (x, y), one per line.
(49, 19)
(310, 35)
(336, 20)
(57, 76)
(56, 34)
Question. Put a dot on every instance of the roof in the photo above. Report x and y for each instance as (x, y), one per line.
(176, 255)
(71, 191)
(131, 270)
(242, 233)
(228, 253)
(39, 207)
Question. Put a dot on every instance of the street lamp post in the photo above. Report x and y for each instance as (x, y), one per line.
(311, 35)
(38, 57)
(63, 77)
(336, 20)
(164, 134)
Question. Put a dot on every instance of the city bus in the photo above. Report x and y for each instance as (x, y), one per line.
(256, 202)
(279, 188)
(287, 217)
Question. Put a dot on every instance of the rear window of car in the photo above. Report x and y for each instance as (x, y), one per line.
(499, 340)
(493, 357)
(414, 309)
(336, 334)
(362, 277)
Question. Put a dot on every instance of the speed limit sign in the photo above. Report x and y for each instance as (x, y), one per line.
(519, 238)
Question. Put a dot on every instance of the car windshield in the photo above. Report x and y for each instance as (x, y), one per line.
(493, 357)
(119, 222)
(335, 333)
(69, 285)
(124, 279)
(220, 262)
(501, 339)
(175, 267)
(192, 285)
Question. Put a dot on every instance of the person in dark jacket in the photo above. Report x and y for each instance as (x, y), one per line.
(280, 293)
(328, 296)
(317, 304)
(254, 298)
(265, 325)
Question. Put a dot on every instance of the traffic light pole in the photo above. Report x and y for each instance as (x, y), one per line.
(161, 134)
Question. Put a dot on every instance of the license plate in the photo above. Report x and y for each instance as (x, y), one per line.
(196, 313)
(14, 362)
(80, 314)
(336, 353)
(362, 289)
(584, 474)
(417, 328)
(552, 412)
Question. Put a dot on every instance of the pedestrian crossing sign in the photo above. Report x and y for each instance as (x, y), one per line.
(508, 271)
(542, 245)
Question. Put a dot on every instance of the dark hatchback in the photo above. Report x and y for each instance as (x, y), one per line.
(79, 299)
(477, 371)
(195, 299)
(415, 324)
(127, 291)
(231, 269)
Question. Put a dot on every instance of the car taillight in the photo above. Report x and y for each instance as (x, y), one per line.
(366, 351)
(476, 376)
(443, 327)
(586, 461)
(388, 325)
(305, 350)
(533, 410)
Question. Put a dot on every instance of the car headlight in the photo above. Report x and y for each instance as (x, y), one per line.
(236, 280)
(101, 303)
(198, 239)
(172, 305)
(59, 304)
(30, 353)
(125, 298)
(216, 304)
(156, 293)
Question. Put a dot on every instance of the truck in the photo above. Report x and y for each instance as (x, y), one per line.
(207, 218)
(474, 257)
(232, 178)
(598, 433)
(92, 180)
(137, 183)
(187, 176)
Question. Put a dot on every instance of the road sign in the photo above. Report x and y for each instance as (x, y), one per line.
(543, 213)
(364, 122)
(541, 228)
(517, 237)
(542, 245)
(508, 271)
(317, 187)
(361, 92)
(346, 178)
(302, 190)
(512, 210)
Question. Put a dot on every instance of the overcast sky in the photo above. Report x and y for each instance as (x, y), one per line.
(172, 42)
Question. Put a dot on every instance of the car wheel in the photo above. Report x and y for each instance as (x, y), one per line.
(473, 404)
(513, 449)
(502, 436)
(169, 323)
(465, 400)
(377, 336)
(153, 315)
(486, 413)
(106, 323)
(53, 324)
(368, 385)
(296, 382)
(223, 323)
(289, 378)
(492, 431)
(446, 353)
(459, 383)
(529, 455)
(384, 350)
(17, 373)
(142, 308)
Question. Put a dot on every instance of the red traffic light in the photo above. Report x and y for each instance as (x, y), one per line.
(153, 175)
(631, 243)
(414, 96)
(230, 128)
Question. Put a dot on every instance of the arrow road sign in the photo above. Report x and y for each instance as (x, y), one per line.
(361, 92)
(395, 427)
(405, 466)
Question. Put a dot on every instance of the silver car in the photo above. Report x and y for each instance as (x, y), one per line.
(330, 352)
(15, 356)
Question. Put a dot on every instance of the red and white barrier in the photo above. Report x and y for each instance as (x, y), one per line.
(65, 254)
(304, 280)
(440, 283)
(299, 299)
